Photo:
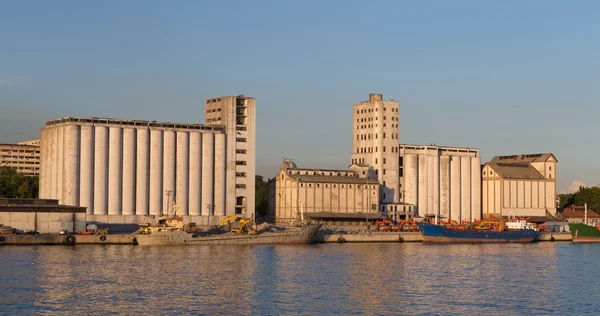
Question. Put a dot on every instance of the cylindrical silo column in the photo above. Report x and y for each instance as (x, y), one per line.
(142, 170)
(100, 170)
(436, 185)
(208, 151)
(220, 158)
(60, 166)
(86, 169)
(129, 144)
(445, 187)
(465, 188)
(475, 188)
(182, 172)
(43, 162)
(455, 188)
(53, 163)
(71, 180)
(410, 179)
(430, 181)
(170, 147)
(115, 170)
(156, 161)
(195, 194)
(422, 199)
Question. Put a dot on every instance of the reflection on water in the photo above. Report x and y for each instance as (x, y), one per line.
(542, 278)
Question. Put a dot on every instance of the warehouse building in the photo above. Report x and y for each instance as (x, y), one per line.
(138, 168)
(522, 185)
(442, 181)
(296, 193)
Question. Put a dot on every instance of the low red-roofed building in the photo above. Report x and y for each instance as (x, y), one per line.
(576, 214)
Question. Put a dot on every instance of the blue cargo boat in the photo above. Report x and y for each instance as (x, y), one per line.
(441, 234)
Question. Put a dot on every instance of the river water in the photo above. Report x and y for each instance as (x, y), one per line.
(409, 278)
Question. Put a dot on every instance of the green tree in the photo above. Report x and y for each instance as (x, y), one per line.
(589, 196)
(566, 199)
(16, 185)
(261, 188)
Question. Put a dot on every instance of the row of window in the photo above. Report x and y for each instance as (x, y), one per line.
(323, 173)
(240, 151)
(19, 162)
(240, 186)
(366, 150)
(9, 151)
(214, 110)
(213, 119)
(376, 125)
(240, 162)
(370, 119)
(376, 110)
(370, 136)
(240, 174)
(240, 140)
(358, 186)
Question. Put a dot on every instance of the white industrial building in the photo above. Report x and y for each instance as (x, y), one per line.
(443, 181)
(522, 185)
(127, 170)
(375, 135)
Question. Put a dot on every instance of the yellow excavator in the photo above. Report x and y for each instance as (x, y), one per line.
(237, 225)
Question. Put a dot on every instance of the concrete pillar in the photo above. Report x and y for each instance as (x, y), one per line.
(208, 150)
(156, 181)
(219, 187)
(169, 150)
(430, 182)
(476, 188)
(129, 161)
(422, 198)
(410, 178)
(86, 169)
(455, 174)
(71, 165)
(436, 185)
(100, 170)
(182, 177)
(115, 170)
(43, 162)
(465, 188)
(445, 187)
(53, 163)
(195, 195)
(60, 166)
(142, 172)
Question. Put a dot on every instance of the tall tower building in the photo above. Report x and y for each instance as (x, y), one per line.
(375, 140)
(238, 116)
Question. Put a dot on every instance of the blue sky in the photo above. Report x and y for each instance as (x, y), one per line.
(507, 77)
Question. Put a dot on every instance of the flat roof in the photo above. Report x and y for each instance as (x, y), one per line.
(130, 123)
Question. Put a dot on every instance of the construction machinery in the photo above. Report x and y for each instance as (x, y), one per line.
(237, 224)
(400, 226)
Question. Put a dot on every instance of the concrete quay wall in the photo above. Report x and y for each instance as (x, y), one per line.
(44, 222)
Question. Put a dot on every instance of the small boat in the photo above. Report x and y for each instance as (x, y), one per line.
(492, 231)
(582, 232)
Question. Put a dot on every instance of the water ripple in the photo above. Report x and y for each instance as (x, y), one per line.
(342, 279)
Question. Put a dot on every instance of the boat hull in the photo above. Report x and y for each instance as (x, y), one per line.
(303, 236)
(583, 233)
(441, 234)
